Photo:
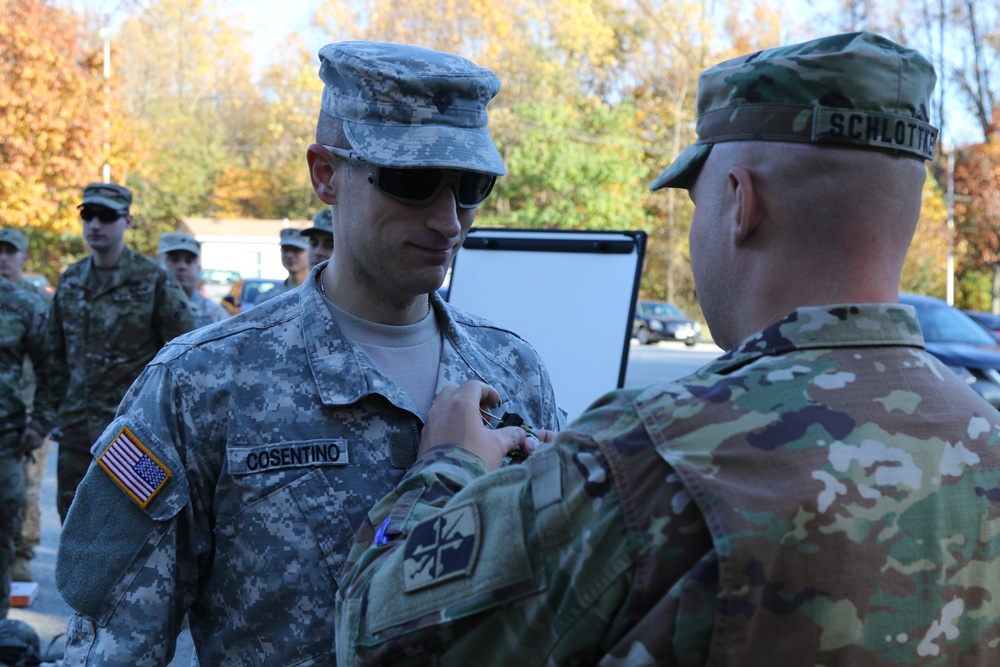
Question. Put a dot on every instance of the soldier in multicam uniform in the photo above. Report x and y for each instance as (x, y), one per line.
(320, 237)
(181, 253)
(23, 318)
(825, 493)
(13, 257)
(244, 460)
(112, 313)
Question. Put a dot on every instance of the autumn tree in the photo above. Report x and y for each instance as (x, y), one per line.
(977, 215)
(60, 121)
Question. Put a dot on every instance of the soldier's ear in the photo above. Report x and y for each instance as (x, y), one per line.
(323, 166)
(747, 212)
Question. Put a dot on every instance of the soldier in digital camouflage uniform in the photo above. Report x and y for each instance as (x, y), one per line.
(181, 253)
(825, 493)
(13, 257)
(112, 313)
(320, 237)
(295, 259)
(23, 318)
(244, 460)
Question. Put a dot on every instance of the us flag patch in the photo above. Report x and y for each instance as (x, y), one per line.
(134, 468)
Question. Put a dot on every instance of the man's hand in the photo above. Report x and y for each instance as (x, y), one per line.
(30, 440)
(456, 419)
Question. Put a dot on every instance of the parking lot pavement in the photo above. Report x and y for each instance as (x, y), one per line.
(49, 613)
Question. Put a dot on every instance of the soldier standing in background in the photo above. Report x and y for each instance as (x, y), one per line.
(13, 257)
(113, 311)
(181, 253)
(825, 493)
(23, 319)
(320, 237)
(295, 259)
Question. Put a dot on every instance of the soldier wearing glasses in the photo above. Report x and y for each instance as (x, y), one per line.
(112, 313)
(243, 460)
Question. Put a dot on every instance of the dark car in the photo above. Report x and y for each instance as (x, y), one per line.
(960, 343)
(658, 320)
(988, 321)
(248, 291)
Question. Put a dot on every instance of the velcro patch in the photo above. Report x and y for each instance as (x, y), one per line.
(134, 468)
(445, 547)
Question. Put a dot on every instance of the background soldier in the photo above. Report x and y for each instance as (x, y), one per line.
(181, 254)
(13, 257)
(320, 237)
(23, 317)
(295, 258)
(113, 311)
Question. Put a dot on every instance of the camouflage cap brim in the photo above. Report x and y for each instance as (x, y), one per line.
(14, 237)
(683, 171)
(107, 202)
(408, 147)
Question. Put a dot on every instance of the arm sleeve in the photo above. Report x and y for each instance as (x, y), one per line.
(173, 315)
(131, 572)
(529, 561)
(43, 411)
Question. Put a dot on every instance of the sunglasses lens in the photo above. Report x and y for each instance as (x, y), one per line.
(474, 188)
(105, 215)
(414, 185)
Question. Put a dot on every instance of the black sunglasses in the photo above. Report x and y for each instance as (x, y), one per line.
(422, 186)
(105, 215)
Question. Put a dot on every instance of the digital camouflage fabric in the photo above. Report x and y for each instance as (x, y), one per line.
(856, 90)
(268, 437)
(824, 494)
(410, 107)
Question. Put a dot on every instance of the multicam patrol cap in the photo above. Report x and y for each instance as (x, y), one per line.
(856, 90)
(111, 195)
(179, 241)
(406, 106)
(322, 223)
(292, 236)
(15, 237)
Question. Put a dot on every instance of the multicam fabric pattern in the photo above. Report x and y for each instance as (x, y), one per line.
(825, 494)
(407, 106)
(279, 435)
(100, 340)
(857, 90)
(23, 321)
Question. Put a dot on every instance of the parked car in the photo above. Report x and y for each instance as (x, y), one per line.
(218, 276)
(960, 343)
(248, 291)
(988, 321)
(39, 281)
(658, 320)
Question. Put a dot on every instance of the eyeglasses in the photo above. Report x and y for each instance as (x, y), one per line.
(422, 186)
(105, 215)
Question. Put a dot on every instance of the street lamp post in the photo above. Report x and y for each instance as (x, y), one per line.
(105, 34)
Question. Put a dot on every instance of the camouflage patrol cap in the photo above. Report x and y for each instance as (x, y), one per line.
(322, 223)
(179, 241)
(855, 90)
(15, 237)
(406, 106)
(292, 236)
(111, 195)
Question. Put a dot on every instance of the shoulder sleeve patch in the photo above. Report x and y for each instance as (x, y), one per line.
(134, 468)
(442, 548)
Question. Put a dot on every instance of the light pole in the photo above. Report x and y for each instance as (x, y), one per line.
(105, 34)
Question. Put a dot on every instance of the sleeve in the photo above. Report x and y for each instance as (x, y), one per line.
(530, 560)
(130, 557)
(172, 315)
(43, 411)
(57, 368)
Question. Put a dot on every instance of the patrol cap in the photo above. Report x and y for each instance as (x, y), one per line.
(854, 90)
(110, 195)
(293, 236)
(322, 223)
(179, 241)
(406, 106)
(15, 237)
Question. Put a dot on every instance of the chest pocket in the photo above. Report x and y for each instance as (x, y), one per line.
(277, 565)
